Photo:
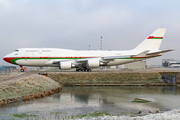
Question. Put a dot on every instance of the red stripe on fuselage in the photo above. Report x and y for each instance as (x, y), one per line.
(8, 60)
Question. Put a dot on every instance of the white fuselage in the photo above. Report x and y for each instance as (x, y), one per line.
(46, 56)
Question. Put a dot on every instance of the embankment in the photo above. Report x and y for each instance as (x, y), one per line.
(107, 78)
(29, 86)
(26, 88)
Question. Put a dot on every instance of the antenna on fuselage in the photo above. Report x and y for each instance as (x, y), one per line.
(101, 43)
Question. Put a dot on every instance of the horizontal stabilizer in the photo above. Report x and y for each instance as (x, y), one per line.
(159, 52)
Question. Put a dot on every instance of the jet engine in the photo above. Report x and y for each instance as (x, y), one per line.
(92, 63)
(65, 65)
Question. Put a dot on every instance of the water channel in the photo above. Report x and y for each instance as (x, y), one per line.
(88, 99)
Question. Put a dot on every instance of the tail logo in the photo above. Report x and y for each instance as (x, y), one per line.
(152, 37)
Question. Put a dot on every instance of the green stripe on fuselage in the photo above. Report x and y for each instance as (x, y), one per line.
(15, 59)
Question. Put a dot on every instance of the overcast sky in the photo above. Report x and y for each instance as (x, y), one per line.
(74, 24)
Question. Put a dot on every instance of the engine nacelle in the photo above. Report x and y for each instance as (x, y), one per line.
(92, 63)
(65, 65)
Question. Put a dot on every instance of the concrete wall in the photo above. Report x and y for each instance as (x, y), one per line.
(134, 65)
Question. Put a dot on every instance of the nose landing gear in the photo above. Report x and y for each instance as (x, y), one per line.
(22, 70)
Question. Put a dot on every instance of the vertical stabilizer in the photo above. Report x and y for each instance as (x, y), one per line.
(153, 41)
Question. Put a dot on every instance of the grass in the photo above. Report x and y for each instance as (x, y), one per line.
(59, 116)
(129, 113)
(23, 115)
(105, 78)
(26, 86)
(95, 114)
(140, 101)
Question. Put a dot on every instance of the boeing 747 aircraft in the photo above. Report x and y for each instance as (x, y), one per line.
(85, 60)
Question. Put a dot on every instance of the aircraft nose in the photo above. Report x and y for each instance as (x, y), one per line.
(7, 59)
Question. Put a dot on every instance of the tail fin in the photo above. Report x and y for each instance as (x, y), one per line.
(153, 42)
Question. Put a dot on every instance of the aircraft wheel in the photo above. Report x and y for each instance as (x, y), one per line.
(22, 70)
(77, 70)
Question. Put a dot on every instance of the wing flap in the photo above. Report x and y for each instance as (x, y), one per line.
(55, 62)
(82, 60)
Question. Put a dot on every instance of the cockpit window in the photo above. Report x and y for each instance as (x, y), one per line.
(16, 50)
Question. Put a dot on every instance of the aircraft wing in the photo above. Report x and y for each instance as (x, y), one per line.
(82, 60)
(55, 62)
(115, 57)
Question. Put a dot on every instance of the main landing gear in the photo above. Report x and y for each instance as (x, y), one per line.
(83, 69)
(22, 70)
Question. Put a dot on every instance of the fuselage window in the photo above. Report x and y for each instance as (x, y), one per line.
(31, 51)
(46, 50)
(16, 50)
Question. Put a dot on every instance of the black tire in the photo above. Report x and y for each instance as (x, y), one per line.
(22, 70)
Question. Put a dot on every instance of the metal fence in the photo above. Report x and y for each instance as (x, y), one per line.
(6, 69)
